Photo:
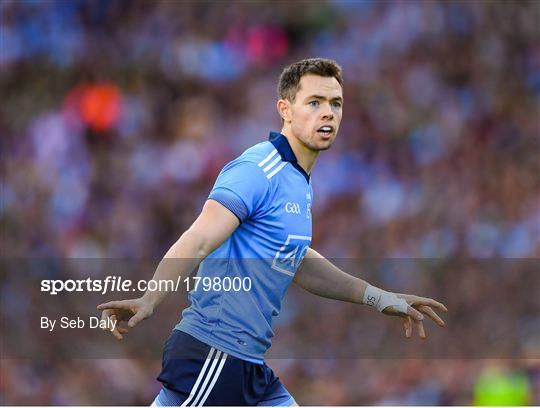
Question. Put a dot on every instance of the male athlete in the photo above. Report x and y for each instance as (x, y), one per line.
(256, 224)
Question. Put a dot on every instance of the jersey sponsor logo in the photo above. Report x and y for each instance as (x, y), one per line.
(292, 208)
(291, 254)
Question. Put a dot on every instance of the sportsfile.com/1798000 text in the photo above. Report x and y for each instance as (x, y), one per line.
(119, 284)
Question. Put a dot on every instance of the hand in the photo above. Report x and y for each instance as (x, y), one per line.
(131, 310)
(418, 306)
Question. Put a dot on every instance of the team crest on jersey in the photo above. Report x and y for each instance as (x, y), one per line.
(291, 254)
(292, 208)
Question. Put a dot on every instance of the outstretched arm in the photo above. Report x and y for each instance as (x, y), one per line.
(320, 277)
(213, 226)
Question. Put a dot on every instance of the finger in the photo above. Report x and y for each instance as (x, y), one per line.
(123, 330)
(415, 314)
(136, 318)
(432, 303)
(108, 316)
(115, 332)
(431, 313)
(407, 324)
(114, 304)
(420, 328)
(105, 315)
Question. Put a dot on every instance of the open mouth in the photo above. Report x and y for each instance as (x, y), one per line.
(325, 130)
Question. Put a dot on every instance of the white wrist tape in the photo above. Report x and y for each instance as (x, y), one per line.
(381, 299)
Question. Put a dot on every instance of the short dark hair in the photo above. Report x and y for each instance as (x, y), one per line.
(289, 80)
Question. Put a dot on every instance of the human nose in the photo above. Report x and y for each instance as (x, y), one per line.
(327, 113)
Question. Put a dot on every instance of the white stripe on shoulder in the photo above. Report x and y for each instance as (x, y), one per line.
(199, 378)
(210, 375)
(267, 158)
(274, 162)
(276, 171)
(216, 375)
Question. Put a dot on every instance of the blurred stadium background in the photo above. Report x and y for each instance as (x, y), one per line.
(116, 116)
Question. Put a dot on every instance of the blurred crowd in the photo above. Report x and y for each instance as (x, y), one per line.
(118, 115)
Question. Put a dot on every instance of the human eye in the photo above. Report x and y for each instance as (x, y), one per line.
(336, 104)
(314, 103)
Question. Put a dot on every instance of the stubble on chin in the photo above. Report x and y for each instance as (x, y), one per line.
(321, 147)
(316, 148)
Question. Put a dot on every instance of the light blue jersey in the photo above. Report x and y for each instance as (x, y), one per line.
(271, 195)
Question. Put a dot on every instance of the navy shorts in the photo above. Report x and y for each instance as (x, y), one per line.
(195, 374)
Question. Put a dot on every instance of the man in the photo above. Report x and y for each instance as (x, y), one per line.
(256, 225)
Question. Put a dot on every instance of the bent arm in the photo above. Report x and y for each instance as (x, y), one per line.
(213, 226)
(322, 278)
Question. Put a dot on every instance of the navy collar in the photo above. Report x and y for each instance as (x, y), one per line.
(285, 150)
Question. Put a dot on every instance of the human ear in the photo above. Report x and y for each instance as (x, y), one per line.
(284, 109)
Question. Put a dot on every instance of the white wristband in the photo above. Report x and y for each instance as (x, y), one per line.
(381, 299)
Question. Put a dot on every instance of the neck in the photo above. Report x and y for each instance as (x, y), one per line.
(306, 157)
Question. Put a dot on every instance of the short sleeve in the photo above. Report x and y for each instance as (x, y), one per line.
(240, 187)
